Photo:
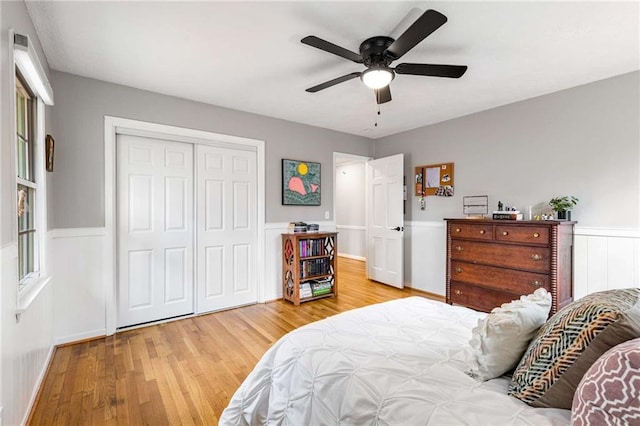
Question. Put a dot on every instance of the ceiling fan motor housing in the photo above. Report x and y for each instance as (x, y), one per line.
(373, 50)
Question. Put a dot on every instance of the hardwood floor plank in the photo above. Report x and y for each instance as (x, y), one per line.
(185, 371)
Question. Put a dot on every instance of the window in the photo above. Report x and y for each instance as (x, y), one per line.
(32, 93)
(27, 186)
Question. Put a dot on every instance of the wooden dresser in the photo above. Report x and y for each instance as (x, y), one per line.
(490, 262)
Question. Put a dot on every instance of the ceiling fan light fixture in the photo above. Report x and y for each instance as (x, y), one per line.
(377, 78)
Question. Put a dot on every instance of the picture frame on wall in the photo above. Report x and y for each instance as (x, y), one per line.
(49, 144)
(300, 183)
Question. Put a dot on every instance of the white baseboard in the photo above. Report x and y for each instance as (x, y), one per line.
(80, 336)
(351, 256)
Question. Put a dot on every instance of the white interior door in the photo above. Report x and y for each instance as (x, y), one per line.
(155, 229)
(227, 228)
(385, 224)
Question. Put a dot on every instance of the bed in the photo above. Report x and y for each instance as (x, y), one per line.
(401, 362)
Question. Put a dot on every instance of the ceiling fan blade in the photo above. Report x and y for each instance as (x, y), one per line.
(383, 95)
(321, 44)
(418, 31)
(333, 82)
(451, 71)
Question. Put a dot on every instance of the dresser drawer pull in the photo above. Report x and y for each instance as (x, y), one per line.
(537, 283)
(482, 231)
(458, 248)
(458, 230)
(536, 256)
(536, 235)
(459, 270)
(505, 233)
(458, 293)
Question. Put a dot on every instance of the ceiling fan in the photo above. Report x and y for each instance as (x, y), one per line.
(377, 54)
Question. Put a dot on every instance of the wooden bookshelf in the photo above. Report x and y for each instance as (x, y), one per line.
(308, 258)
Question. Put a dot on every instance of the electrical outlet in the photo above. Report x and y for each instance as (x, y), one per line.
(326, 214)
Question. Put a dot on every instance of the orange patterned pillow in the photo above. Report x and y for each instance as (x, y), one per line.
(570, 342)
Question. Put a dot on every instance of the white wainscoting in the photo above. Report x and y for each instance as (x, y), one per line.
(27, 345)
(604, 258)
(80, 291)
(352, 241)
(273, 254)
(424, 256)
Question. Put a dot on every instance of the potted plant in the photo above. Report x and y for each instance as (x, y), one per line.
(563, 206)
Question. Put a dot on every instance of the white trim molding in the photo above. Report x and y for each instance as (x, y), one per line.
(117, 125)
(426, 224)
(607, 232)
(352, 227)
(77, 232)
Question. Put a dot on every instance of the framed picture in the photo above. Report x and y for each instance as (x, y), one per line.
(300, 183)
(49, 144)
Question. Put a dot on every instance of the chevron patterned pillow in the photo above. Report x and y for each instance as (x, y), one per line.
(570, 342)
(609, 393)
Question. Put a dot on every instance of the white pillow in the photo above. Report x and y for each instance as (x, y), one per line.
(500, 339)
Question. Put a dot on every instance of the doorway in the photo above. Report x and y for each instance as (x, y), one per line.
(350, 204)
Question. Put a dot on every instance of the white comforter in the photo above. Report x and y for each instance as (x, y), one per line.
(395, 363)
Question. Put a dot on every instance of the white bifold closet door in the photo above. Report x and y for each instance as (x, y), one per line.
(226, 194)
(155, 229)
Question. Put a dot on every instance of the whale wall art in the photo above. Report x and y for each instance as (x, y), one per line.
(300, 183)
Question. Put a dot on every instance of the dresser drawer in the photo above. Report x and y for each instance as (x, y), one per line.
(523, 234)
(510, 280)
(471, 231)
(505, 255)
(478, 298)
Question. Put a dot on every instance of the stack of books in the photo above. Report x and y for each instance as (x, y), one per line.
(305, 290)
(319, 288)
(297, 227)
(313, 227)
(507, 215)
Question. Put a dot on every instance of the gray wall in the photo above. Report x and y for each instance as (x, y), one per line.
(78, 117)
(583, 141)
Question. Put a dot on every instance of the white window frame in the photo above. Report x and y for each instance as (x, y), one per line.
(26, 60)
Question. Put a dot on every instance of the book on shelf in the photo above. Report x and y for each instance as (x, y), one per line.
(507, 215)
(313, 267)
(311, 247)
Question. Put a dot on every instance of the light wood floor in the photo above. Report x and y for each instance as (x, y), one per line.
(183, 372)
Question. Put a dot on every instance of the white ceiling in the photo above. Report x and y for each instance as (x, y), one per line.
(248, 56)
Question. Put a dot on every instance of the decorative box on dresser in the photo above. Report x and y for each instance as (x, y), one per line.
(490, 262)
